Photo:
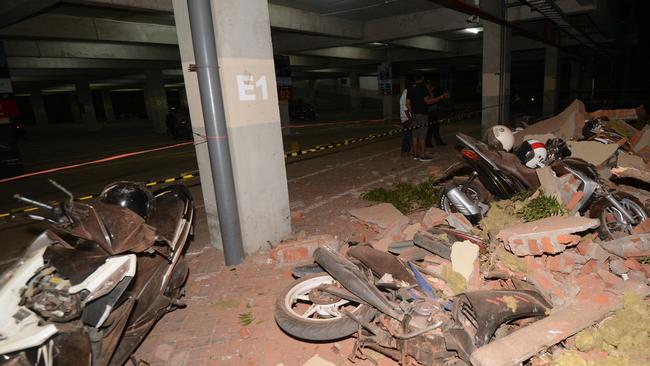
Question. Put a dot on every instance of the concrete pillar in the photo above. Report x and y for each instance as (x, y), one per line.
(38, 105)
(574, 80)
(156, 99)
(107, 101)
(496, 68)
(313, 88)
(551, 66)
(355, 91)
(243, 34)
(285, 117)
(86, 104)
(74, 107)
(387, 101)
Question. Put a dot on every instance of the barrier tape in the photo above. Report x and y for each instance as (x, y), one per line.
(192, 175)
(346, 142)
(179, 178)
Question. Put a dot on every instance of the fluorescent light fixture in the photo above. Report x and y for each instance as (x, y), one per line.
(474, 30)
(378, 44)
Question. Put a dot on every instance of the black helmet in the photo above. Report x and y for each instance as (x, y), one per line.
(134, 196)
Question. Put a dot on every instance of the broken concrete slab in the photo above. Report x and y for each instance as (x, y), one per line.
(637, 245)
(631, 172)
(592, 250)
(640, 140)
(459, 222)
(392, 234)
(562, 188)
(410, 231)
(382, 215)
(433, 217)
(618, 267)
(525, 342)
(550, 235)
(316, 360)
(630, 161)
(566, 125)
(564, 262)
(555, 291)
(464, 255)
(593, 152)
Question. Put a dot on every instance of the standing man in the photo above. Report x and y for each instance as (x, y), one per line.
(434, 126)
(418, 100)
(406, 123)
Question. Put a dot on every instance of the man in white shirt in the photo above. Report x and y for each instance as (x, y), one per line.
(406, 123)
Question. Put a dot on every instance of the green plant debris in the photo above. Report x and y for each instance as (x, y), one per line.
(541, 207)
(246, 319)
(513, 262)
(407, 197)
(454, 280)
(522, 196)
(500, 215)
(625, 337)
(225, 304)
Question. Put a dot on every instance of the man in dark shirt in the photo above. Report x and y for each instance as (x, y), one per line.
(418, 100)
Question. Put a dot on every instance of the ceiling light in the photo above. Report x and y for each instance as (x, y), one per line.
(378, 44)
(474, 30)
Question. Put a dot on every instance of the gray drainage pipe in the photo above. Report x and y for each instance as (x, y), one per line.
(205, 53)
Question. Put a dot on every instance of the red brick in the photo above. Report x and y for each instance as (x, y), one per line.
(633, 264)
(533, 264)
(609, 278)
(547, 244)
(642, 228)
(534, 248)
(434, 217)
(568, 239)
(592, 250)
(557, 292)
(574, 200)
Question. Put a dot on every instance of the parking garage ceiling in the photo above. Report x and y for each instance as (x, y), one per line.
(51, 42)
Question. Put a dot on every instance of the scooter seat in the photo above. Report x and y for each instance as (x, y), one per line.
(508, 163)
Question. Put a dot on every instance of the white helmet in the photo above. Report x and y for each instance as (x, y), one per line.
(532, 153)
(499, 137)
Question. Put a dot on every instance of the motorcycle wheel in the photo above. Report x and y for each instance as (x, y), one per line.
(475, 192)
(611, 218)
(307, 313)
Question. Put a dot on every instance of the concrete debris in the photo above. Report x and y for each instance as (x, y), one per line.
(628, 114)
(316, 360)
(593, 152)
(592, 250)
(433, 217)
(631, 172)
(567, 125)
(382, 215)
(550, 235)
(501, 214)
(640, 140)
(565, 188)
(637, 245)
(464, 256)
(460, 222)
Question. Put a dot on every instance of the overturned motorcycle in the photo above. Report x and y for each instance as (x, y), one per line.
(394, 311)
(91, 298)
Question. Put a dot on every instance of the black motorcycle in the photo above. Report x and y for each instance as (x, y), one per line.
(393, 310)
(501, 175)
(90, 295)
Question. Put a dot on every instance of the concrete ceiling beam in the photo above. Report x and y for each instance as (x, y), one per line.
(51, 26)
(296, 20)
(429, 43)
(349, 52)
(12, 11)
(379, 30)
(80, 63)
(90, 50)
(525, 13)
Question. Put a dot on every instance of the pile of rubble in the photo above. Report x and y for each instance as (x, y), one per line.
(599, 289)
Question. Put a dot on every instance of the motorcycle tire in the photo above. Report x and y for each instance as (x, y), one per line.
(603, 209)
(316, 329)
(474, 190)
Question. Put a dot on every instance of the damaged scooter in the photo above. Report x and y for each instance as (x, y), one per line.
(393, 309)
(88, 291)
(501, 175)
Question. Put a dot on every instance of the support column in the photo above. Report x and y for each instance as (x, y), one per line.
(313, 87)
(549, 104)
(574, 80)
(242, 31)
(86, 105)
(74, 107)
(107, 101)
(38, 105)
(496, 68)
(156, 99)
(387, 101)
(355, 91)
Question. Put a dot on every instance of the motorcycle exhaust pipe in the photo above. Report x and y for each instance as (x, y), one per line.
(463, 204)
(350, 277)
